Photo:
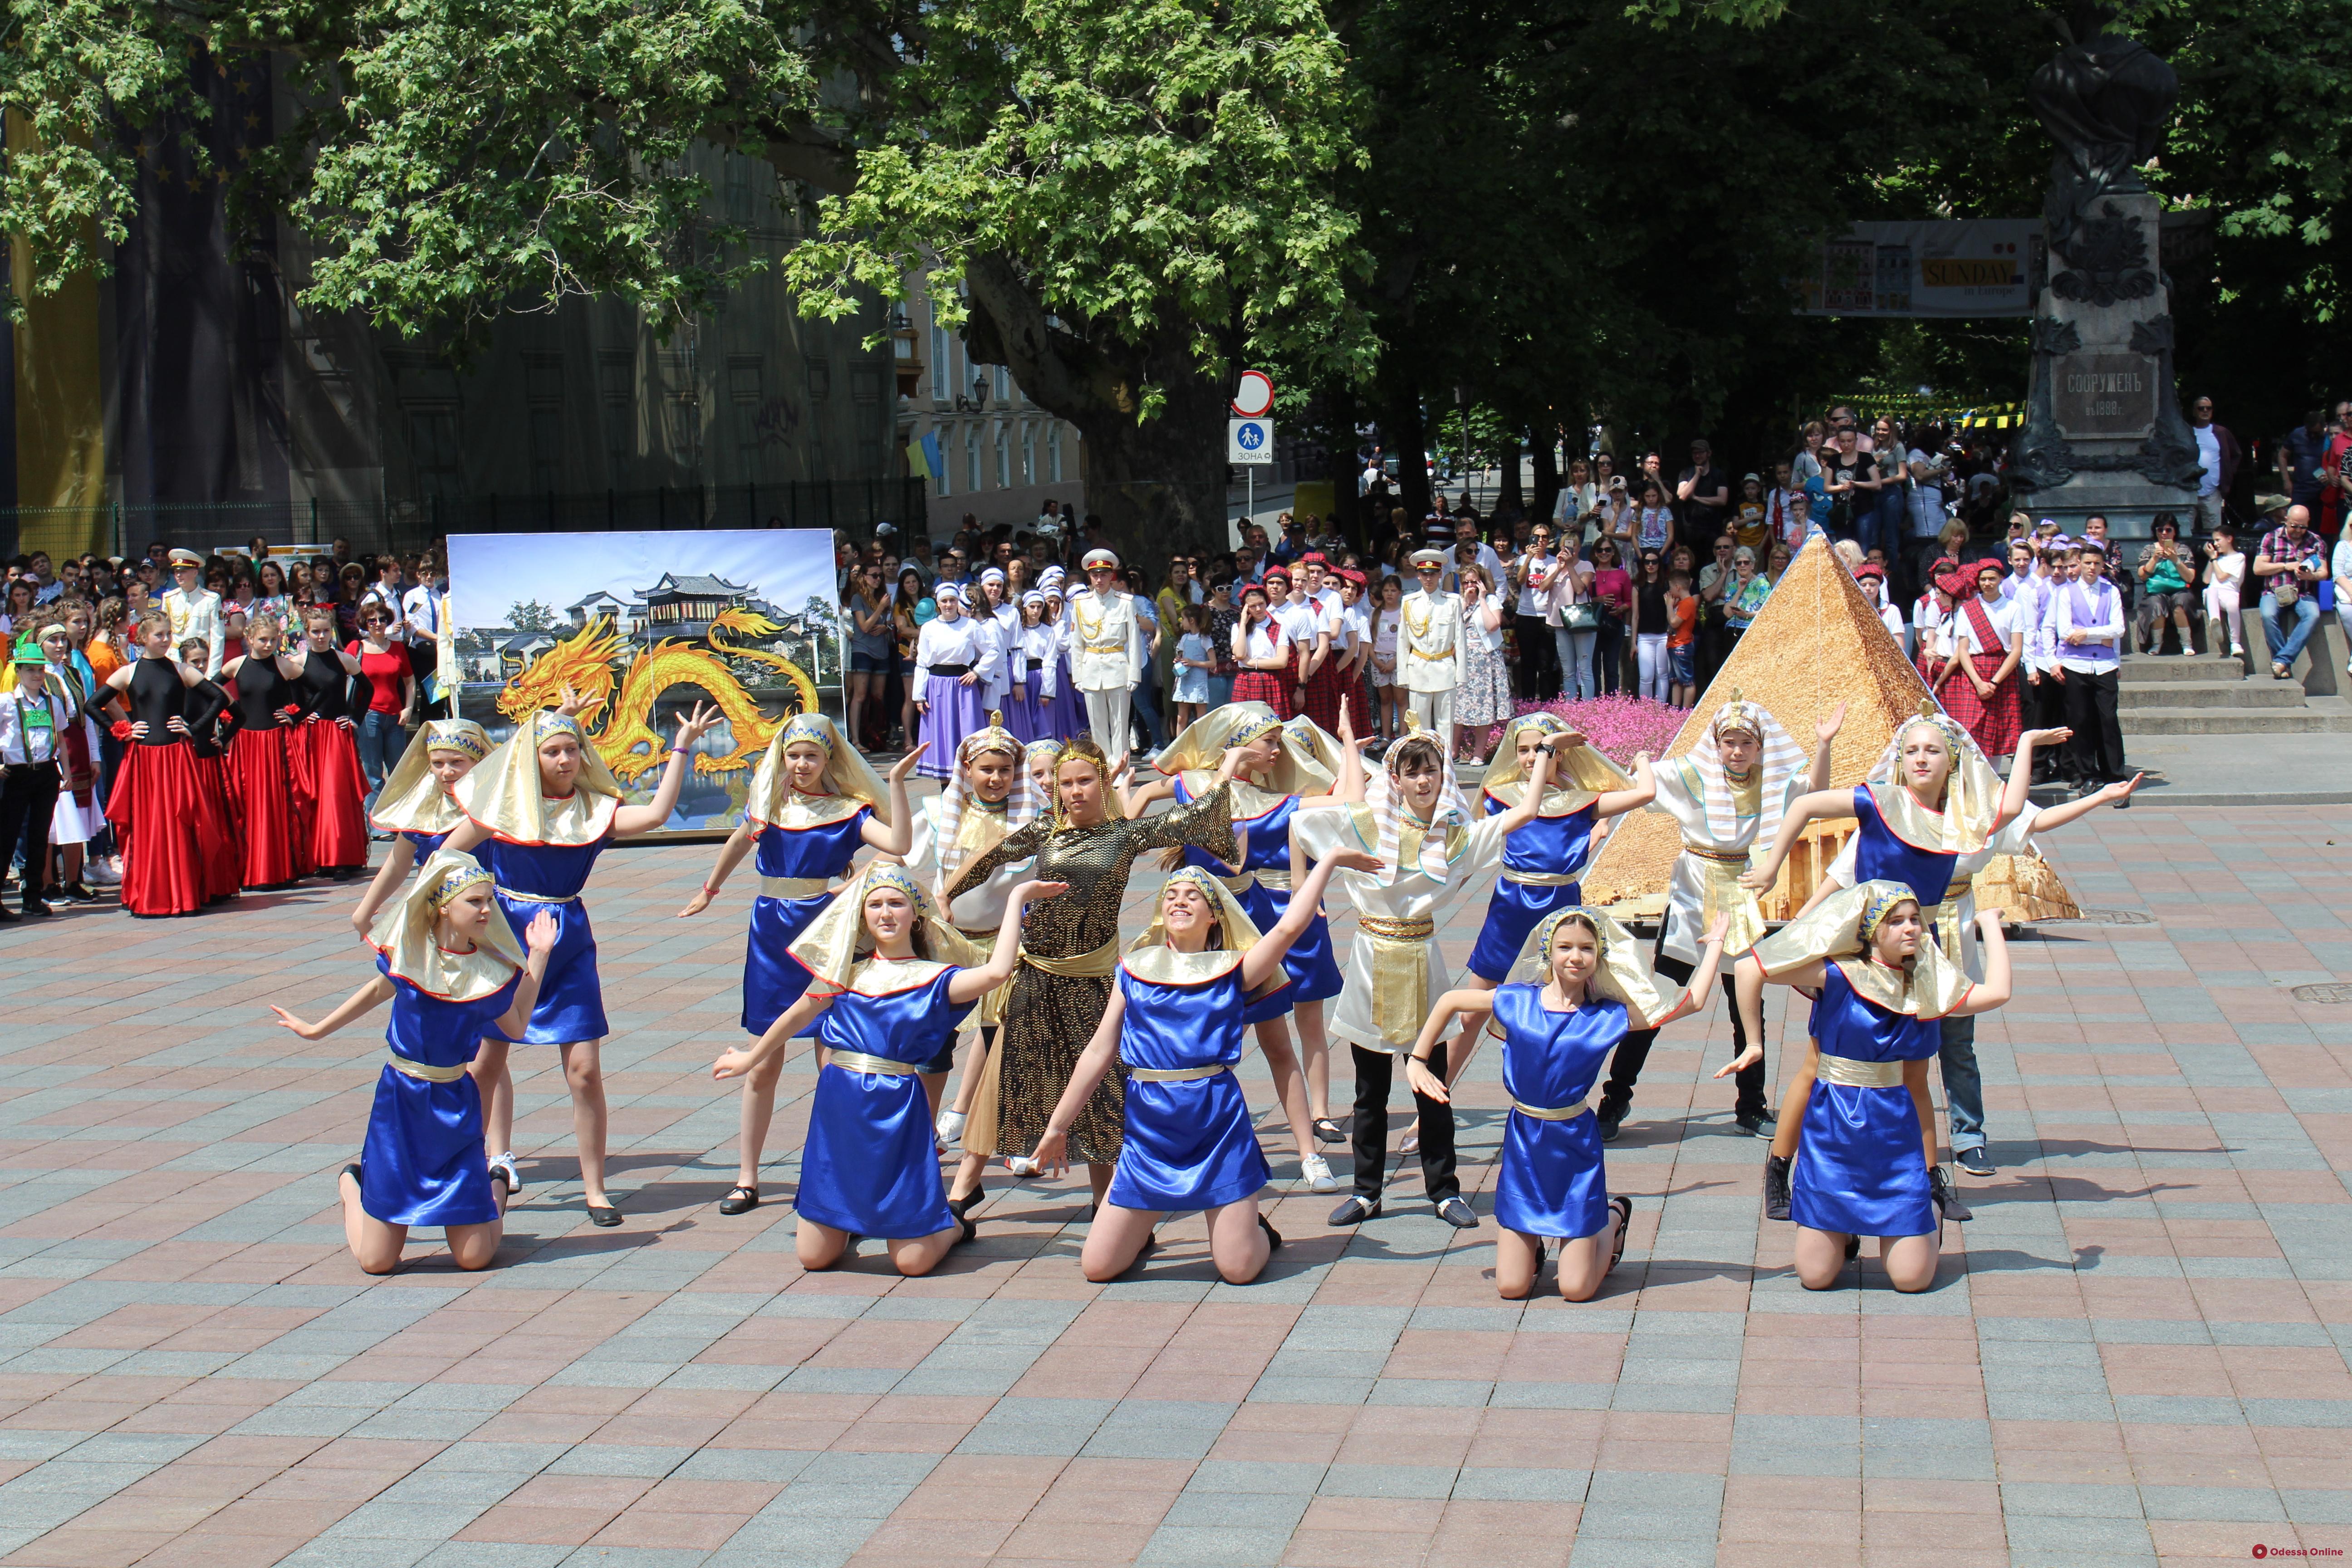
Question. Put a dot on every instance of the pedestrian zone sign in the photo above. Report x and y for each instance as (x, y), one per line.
(1249, 441)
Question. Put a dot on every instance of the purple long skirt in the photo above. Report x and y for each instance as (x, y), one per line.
(1021, 712)
(1065, 712)
(955, 713)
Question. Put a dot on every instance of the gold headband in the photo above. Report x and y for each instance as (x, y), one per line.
(803, 729)
(887, 876)
(460, 735)
(454, 881)
(547, 722)
(1878, 906)
(1550, 928)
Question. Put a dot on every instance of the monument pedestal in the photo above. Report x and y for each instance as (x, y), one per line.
(2104, 431)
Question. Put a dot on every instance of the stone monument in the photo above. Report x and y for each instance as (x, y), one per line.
(2103, 432)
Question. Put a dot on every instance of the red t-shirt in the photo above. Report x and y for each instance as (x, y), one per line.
(387, 674)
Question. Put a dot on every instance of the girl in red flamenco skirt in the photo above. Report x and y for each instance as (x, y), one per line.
(159, 809)
(326, 763)
(208, 707)
(260, 761)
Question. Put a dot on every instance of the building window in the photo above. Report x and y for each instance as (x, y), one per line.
(1053, 453)
(1004, 457)
(942, 373)
(1028, 452)
(432, 446)
(939, 480)
(819, 379)
(616, 379)
(1003, 384)
(971, 458)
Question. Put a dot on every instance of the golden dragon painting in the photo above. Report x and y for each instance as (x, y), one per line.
(618, 710)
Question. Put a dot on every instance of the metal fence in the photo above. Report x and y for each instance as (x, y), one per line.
(373, 527)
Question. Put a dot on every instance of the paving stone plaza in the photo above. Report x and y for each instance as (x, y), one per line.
(2135, 1351)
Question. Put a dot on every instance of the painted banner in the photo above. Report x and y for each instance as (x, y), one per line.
(1980, 266)
(644, 627)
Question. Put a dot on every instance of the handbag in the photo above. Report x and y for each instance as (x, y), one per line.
(1584, 616)
(2286, 595)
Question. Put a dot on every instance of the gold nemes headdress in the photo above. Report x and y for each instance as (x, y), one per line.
(413, 800)
(503, 792)
(851, 776)
(402, 932)
(1623, 973)
(836, 943)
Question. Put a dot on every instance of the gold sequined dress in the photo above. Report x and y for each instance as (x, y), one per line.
(1069, 952)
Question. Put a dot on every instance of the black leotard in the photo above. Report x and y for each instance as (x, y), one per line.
(157, 696)
(323, 686)
(261, 691)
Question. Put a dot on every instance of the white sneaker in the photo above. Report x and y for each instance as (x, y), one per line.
(506, 1162)
(98, 874)
(950, 1128)
(1021, 1165)
(1317, 1170)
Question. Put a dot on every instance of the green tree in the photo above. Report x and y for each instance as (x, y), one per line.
(531, 616)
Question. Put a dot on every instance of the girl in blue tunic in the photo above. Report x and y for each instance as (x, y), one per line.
(813, 804)
(1543, 863)
(1869, 1140)
(416, 806)
(1174, 1025)
(1584, 984)
(540, 808)
(890, 984)
(1934, 812)
(447, 962)
(1283, 766)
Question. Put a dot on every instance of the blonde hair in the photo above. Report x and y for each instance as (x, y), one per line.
(1851, 553)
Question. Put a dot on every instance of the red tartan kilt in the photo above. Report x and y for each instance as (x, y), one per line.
(1359, 709)
(1262, 685)
(261, 795)
(1993, 721)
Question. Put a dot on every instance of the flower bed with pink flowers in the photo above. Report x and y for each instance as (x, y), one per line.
(1619, 726)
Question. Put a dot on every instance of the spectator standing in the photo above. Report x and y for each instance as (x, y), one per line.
(33, 722)
(1612, 594)
(2168, 577)
(2218, 455)
(2090, 644)
(2336, 474)
(2302, 461)
(2289, 567)
(1886, 525)
(1654, 525)
(1850, 479)
(1702, 497)
(1538, 659)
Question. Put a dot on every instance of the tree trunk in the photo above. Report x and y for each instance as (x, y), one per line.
(1403, 430)
(1341, 466)
(1547, 455)
(1510, 494)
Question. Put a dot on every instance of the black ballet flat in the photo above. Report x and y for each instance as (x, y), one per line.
(1273, 1237)
(1624, 1207)
(963, 1206)
(603, 1215)
(1327, 1131)
(739, 1199)
(971, 1230)
(353, 1171)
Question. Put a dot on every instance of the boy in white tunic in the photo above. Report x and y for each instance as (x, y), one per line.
(1416, 820)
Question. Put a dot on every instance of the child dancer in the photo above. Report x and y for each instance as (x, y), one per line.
(159, 806)
(1283, 768)
(415, 806)
(542, 807)
(1583, 984)
(1869, 1134)
(1416, 822)
(814, 803)
(447, 962)
(1927, 752)
(330, 789)
(260, 758)
(890, 984)
(1175, 1024)
(991, 796)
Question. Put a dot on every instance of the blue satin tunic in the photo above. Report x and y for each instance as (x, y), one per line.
(572, 998)
(773, 978)
(423, 1161)
(1187, 1145)
(1550, 845)
(1879, 855)
(869, 1166)
(1312, 964)
(1862, 1169)
(1551, 1181)
(426, 843)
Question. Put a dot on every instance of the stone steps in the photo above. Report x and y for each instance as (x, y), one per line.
(2252, 696)
(2147, 669)
(2323, 716)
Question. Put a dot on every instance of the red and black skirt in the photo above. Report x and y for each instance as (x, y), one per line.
(223, 861)
(326, 775)
(162, 809)
(261, 799)
(1993, 722)
(1262, 685)
(1323, 695)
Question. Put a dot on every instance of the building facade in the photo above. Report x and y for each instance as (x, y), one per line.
(990, 452)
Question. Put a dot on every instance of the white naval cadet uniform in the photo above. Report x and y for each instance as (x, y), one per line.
(1108, 648)
(1429, 658)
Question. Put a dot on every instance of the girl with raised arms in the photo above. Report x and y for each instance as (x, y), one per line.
(814, 803)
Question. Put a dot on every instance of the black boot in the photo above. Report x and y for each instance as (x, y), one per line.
(1775, 1187)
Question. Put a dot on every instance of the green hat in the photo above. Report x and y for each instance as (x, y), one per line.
(29, 651)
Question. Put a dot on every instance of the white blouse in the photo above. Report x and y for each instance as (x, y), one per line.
(961, 641)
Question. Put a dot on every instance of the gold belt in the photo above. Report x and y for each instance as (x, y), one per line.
(1277, 880)
(1098, 964)
(793, 887)
(1175, 1075)
(1431, 657)
(426, 1071)
(537, 898)
(1542, 878)
(1115, 645)
(1854, 1074)
(1555, 1114)
(1954, 893)
(858, 1061)
(1419, 928)
(1708, 852)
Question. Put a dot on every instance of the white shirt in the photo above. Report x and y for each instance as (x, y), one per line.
(23, 742)
(1893, 617)
(2209, 453)
(2001, 615)
(2340, 567)
(963, 641)
(420, 607)
(2102, 599)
